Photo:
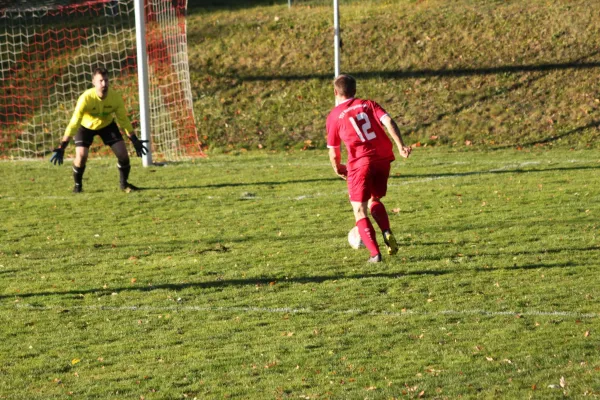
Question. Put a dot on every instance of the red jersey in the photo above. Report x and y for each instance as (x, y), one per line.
(357, 123)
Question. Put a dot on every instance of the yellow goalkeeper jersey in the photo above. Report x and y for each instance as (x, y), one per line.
(94, 113)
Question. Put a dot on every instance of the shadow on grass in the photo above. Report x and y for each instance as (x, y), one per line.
(393, 177)
(549, 251)
(226, 283)
(237, 184)
(7, 271)
(423, 73)
(494, 172)
(569, 264)
(553, 138)
(544, 68)
(541, 252)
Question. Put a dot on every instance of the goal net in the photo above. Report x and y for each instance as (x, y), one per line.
(48, 50)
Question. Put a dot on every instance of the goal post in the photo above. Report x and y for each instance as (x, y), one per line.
(142, 56)
(48, 53)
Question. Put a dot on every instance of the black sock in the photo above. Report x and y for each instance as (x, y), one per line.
(78, 175)
(124, 173)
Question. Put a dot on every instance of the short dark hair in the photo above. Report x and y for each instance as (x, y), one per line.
(345, 85)
(100, 71)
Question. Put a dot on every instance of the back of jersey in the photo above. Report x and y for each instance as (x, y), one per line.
(357, 123)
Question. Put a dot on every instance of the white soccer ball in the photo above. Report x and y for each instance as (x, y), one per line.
(354, 238)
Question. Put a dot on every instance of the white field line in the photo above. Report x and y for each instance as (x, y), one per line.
(507, 167)
(290, 310)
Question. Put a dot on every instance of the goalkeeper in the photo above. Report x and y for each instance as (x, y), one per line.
(93, 116)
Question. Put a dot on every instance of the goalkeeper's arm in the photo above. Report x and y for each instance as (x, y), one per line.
(59, 152)
(138, 144)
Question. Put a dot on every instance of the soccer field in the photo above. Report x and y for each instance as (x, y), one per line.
(231, 277)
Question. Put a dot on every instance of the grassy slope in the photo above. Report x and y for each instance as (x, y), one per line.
(231, 278)
(496, 73)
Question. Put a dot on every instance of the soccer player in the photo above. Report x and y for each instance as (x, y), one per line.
(359, 124)
(93, 116)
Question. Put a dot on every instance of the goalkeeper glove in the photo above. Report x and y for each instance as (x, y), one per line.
(59, 153)
(138, 144)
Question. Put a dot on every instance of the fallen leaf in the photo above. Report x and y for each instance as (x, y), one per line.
(75, 361)
(562, 382)
(586, 334)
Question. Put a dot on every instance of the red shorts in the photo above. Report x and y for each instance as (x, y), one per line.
(368, 180)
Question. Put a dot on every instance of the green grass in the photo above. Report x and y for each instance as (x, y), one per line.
(231, 277)
(489, 73)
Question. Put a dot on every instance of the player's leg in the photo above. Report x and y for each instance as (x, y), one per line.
(379, 213)
(366, 229)
(358, 188)
(83, 140)
(380, 216)
(380, 175)
(111, 136)
(123, 164)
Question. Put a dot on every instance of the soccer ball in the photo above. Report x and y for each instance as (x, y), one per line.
(354, 238)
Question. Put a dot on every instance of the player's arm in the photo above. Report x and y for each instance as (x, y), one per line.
(333, 144)
(335, 157)
(394, 132)
(59, 152)
(76, 118)
(125, 124)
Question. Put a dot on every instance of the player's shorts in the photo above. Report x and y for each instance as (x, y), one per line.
(110, 135)
(369, 180)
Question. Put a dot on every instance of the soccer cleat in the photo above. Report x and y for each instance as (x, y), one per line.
(374, 259)
(128, 187)
(390, 242)
(77, 188)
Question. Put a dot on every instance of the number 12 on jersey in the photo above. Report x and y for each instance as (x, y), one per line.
(363, 132)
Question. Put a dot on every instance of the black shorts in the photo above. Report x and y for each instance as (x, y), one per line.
(110, 135)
